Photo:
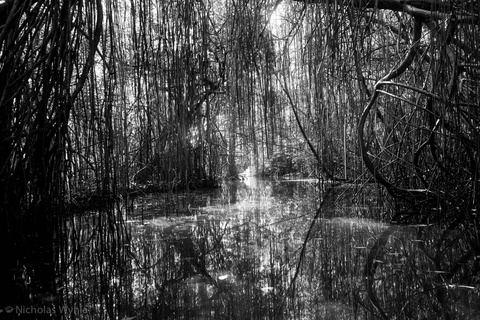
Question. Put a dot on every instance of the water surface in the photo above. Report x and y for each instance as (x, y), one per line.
(264, 249)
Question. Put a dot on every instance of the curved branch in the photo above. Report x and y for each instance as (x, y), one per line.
(391, 75)
(93, 46)
(328, 174)
(363, 148)
(417, 33)
(371, 265)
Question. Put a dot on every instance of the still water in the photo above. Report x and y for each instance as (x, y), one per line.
(263, 249)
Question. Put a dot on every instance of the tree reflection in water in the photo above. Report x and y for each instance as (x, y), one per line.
(233, 254)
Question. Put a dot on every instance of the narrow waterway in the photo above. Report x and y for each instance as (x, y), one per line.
(261, 249)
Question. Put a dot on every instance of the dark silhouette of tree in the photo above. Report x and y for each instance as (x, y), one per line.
(46, 54)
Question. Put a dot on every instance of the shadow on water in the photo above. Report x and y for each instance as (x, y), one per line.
(233, 253)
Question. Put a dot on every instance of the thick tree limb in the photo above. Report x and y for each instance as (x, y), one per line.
(425, 9)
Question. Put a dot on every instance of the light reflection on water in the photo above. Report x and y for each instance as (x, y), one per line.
(233, 253)
(236, 252)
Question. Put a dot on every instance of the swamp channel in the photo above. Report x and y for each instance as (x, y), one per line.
(263, 249)
(115, 116)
